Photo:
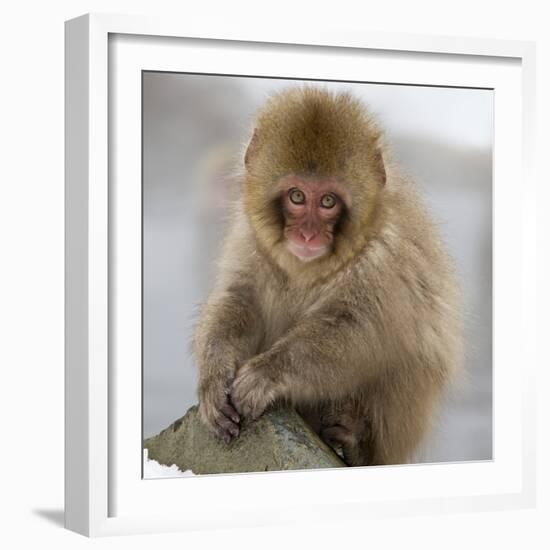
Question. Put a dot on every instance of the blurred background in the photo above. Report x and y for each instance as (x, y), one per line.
(195, 129)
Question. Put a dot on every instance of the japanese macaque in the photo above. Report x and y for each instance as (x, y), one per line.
(335, 294)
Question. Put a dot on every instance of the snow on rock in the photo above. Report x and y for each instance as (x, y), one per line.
(152, 469)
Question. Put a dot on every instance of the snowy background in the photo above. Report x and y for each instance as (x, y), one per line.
(194, 131)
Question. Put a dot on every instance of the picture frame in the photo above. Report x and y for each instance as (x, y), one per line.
(105, 493)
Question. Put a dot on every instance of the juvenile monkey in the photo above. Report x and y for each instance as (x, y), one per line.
(335, 293)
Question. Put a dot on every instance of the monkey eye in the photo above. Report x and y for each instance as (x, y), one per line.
(328, 201)
(296, 196)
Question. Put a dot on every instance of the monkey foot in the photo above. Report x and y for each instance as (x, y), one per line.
(341, 440)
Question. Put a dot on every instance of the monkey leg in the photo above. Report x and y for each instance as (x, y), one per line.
(385, 422)
(399, 411)
(343, 428)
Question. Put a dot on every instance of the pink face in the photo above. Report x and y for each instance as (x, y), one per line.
(311, 208)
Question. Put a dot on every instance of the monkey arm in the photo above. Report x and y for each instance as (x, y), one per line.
(229, 325)
(324, 356)
(227, 334)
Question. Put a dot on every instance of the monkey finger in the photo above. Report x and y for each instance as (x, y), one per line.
(249, 396)
(251, 408)
(230, 412)
(243, 409)
(241, 394)
(223, 435)
(244, 406)
(228, 426)
(239, 408)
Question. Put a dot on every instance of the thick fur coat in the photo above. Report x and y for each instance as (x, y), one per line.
(362, 341)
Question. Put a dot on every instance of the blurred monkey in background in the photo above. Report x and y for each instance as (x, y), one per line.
(335, 294)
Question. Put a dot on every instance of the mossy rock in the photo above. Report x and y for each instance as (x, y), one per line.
(279, 440)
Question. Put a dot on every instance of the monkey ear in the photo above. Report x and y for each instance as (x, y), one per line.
(379, 167)
(252, 149)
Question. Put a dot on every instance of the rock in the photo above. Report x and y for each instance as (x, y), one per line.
(279, 440)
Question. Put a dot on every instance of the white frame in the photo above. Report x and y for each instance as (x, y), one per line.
(88, 460)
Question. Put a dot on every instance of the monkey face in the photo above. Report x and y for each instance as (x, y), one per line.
(310, 154)
(311, 210)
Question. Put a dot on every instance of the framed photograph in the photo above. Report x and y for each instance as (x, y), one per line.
(298, 273)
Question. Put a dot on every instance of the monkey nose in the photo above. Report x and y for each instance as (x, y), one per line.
(307, 234)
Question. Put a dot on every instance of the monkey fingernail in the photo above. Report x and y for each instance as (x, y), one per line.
(231, 413)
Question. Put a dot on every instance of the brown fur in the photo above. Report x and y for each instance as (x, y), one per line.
(363, 340)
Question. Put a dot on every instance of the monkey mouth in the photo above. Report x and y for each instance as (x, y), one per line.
(306, 253)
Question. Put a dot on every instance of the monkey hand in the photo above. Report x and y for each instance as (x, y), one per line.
(216, 409)
(254, 389)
